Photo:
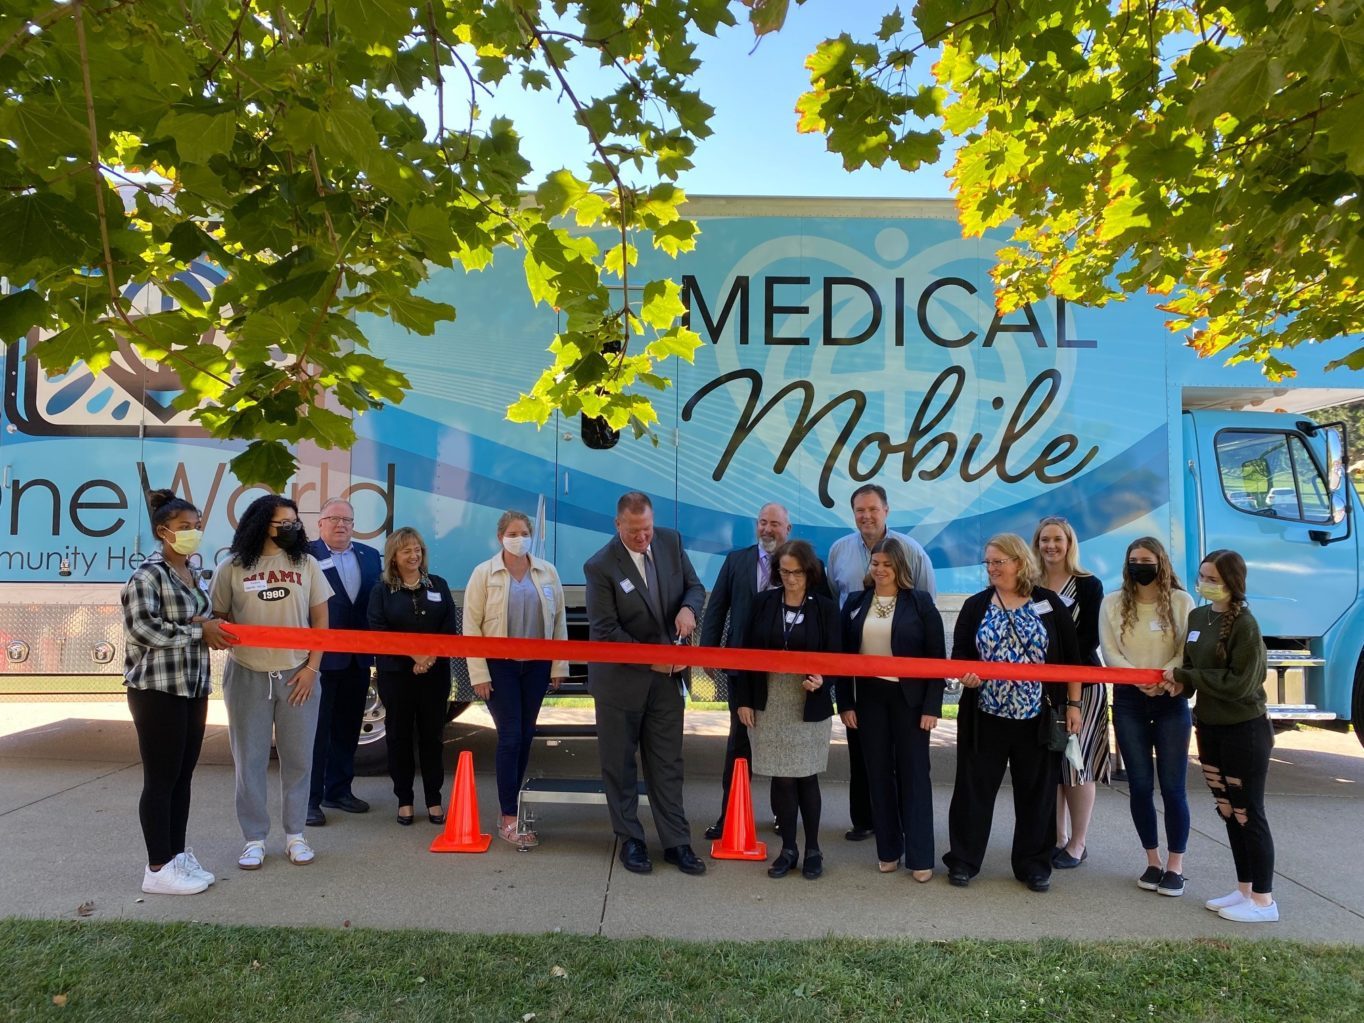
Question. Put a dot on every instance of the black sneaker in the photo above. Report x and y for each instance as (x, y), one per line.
(1150, 881)
(1171, 884)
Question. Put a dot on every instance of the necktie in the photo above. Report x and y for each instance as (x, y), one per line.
(651, 584)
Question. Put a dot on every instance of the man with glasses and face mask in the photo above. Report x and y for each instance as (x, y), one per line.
(352, 570)
(848, 562)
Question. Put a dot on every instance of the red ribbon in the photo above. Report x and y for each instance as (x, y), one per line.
(428, 644)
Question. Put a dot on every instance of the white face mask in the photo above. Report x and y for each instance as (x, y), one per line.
(186, 541)
(516, 545)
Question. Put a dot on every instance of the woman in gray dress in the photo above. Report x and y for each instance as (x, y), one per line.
(790, 716)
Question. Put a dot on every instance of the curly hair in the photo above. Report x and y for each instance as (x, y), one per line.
(1166, 582)
(1232, 568)
(253, 530)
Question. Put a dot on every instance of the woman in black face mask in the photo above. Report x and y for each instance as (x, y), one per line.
(1143, 625)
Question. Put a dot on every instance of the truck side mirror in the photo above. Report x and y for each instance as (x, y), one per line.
(1335, 471)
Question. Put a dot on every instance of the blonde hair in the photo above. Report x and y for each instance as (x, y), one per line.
(899, 560)
(1072, 544)
(505, 521)
(1011, 545)
(399, 538)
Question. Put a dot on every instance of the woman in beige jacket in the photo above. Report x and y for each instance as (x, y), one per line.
(515, 595)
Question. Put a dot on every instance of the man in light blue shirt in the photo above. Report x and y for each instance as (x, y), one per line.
(847, 568)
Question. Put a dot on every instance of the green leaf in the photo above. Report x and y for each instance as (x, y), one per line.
(266, 462)
(199, 135)
(372, 21)
(20, 312)
(44, 226)
(662, 304)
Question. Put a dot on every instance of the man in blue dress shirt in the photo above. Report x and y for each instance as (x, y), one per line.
(847, 568)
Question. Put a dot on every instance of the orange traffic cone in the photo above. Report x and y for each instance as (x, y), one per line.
(740, 840)
(461, 819)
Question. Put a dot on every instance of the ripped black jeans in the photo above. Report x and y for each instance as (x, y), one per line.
(1235, 761)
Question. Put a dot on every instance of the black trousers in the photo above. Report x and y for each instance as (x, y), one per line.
(1235, 761)
(859, 792)
(895, 751)
(339, 715)
(1035, 773)
(655, 731)
(415, 708)
(170, 733)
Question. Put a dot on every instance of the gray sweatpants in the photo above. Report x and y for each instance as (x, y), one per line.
(258, 707)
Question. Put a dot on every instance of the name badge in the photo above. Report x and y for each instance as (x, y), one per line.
(549, 593)
(1193, 636)
(254, 585)
(1041, 607)
(1157, 626)
(326, 563)
(433, 596)
(627, 586)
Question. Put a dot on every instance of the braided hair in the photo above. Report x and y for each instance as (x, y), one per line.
(1166, 582)
(1232, 568)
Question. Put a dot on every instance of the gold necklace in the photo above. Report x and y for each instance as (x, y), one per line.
(882, 610)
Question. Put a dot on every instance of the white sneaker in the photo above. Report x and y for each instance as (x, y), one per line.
(1230, 899)
(299, 851)
(194, 867)
(172, 879)
(1249, 912)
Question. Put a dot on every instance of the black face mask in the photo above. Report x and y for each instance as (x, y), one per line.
(1141, 573)
(290, 536)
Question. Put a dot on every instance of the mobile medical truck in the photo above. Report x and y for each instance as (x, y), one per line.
(845, 341)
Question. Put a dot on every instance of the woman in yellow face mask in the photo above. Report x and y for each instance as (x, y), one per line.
(1224, 665)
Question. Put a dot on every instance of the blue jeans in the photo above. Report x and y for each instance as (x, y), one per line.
(518, 690)
(1161, 725)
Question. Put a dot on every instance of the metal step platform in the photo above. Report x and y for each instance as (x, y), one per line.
(563, 792)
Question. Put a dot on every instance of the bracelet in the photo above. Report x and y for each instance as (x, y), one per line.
(1074, 703)
(311, 668)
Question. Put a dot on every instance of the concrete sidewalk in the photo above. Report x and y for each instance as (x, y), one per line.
(70, 778)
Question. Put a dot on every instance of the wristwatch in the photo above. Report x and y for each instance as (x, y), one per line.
(1074, 703)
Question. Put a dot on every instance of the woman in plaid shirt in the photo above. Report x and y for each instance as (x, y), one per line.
(167, 630)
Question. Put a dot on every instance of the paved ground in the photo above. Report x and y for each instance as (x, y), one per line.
(69, 782)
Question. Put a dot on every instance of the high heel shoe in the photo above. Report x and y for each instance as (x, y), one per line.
(922, 876)
(782, 865)
(405, 819)
(888, 866)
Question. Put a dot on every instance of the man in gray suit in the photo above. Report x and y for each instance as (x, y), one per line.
(745, 572)
(641, 588)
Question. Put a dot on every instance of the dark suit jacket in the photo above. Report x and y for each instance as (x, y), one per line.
(342, 612)
(1089, 594)
(916, 630)
(764, 632)
(617, 616)
(1062, 648)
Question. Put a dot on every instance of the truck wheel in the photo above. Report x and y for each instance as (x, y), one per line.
(1357, 705)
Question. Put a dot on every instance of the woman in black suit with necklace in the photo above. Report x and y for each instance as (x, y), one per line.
(895, 717)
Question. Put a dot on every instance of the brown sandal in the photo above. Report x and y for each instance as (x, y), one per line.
(523, 840)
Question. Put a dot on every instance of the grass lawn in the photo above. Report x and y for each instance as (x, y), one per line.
(148, 972)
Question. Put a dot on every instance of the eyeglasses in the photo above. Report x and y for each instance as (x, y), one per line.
(791, 573)
(338, 518)
(997, 562)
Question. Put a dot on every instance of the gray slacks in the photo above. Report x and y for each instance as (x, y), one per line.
(656, 732)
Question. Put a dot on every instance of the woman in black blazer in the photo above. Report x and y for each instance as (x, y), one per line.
(895, 716)
(789, 715)
(1058, 552)
(1003, 724)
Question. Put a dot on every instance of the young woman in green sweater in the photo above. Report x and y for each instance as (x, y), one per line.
(1224, 665)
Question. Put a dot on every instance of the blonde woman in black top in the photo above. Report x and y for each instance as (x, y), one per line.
(1224, 667)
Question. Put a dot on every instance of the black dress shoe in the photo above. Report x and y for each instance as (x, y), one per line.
(406, 819)
(813, 869)
(316, 818)
(1038, 883)
(716, 830)
(634, 856)
(958, 878)
(682, 857)
(859, 834)
(348, 802)
(436, 818)
(782, 865)
(1061, 859)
